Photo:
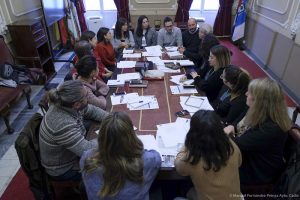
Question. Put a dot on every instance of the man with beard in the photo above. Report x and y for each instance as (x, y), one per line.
(190, 38)
(62, 131)
(169, 35)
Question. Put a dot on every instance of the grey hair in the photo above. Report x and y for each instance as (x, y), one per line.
(206, 28)
(67, 93)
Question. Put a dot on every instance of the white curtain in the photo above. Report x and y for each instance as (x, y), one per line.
(3, 27)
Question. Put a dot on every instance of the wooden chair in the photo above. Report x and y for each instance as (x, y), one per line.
(9, 95)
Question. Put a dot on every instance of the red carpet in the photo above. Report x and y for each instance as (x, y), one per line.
(18, 188)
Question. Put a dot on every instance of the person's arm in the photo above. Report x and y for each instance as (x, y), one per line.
(98, 101)
(211, 84)
(237, 107)
(152, 163)
(153, 37)
(131, 40)
(182, 167)
(73, 139)
(101, 88)
(137, 41)
(178, 38)
(160, 38)
(94, 113)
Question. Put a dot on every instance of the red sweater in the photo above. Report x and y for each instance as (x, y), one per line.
(106, 53)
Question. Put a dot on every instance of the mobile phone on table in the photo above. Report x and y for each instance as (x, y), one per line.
(182, 113)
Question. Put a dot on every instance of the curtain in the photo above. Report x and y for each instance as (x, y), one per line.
(80, 12)
(222, 25)
(182, 14)
(123, 9)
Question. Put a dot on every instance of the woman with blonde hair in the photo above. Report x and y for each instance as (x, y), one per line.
(120, 168)
(263, 133)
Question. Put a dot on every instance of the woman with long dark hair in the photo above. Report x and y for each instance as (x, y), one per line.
(144, 35)
(122, 37)
(120, 168)
(231, 102)
(105, 49)
(210, 158)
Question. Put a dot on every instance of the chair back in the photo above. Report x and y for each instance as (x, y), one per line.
(5, 53)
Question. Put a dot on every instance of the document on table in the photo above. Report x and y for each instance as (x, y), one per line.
(128, 76)
(174, 133)
(153, 51)
(149, 142)
(133, 55)
(123, 99)
(115, 83)
(127, 51)
(205, 105)
(178, 89)
(176, 79)
(185, 63)
(126, 64)
(171, 48)
(143, 103)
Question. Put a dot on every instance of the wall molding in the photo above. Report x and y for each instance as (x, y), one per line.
(274, 10)
(284, 24)
(152, 1)
(20, 13)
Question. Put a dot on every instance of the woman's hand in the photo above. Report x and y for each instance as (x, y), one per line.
(181, 49)
(194, 74)
(229, 130)
(183, 78)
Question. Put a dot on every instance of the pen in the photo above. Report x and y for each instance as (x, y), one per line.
(122, 98)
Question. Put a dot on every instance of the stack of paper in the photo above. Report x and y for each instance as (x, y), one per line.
(179, 89)
(149, 142)
(126, 64)
(123, 99)
(171, 48)
(185, 63)
(128, 76)
(115, 83)
(174, 54)
(143, 103)
(127, 51)
(153, 51)
(133, 55)
(194, 103)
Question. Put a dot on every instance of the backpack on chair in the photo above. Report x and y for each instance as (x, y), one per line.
(27, 147)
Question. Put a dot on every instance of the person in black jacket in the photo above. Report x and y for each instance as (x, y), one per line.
(190, 38)
(210, 83)
(231, 102)
(262, 133)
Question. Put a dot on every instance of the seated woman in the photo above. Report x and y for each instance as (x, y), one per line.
(119, 168)
(144, 35)
(104, 48)
(87, 70)
(210, 158)
(90, 37)
(210, 82)
(122, 38)
(262, 133)
(231, 102)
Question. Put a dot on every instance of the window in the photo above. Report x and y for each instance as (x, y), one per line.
(205, 5)
(100, 5)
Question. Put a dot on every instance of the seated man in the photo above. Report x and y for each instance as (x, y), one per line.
(190, 38)
(169, 35)
(62, 132)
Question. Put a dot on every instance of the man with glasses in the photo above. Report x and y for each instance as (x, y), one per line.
(169, 35)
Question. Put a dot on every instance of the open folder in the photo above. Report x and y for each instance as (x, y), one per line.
(194, 101)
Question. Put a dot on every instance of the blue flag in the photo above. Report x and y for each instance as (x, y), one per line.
(240, 20)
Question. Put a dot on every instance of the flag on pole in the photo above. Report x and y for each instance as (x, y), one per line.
(240, 20)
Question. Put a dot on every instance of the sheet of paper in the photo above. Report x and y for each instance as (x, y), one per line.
(185, 63)
(149, 142)
(194, 101)
(126, 64)
(128, 76)
(178, 89)
(123, 99)
(127, 51)
(162, 67)
(174, 54)
(171, 48)
(148, 103)
(204, 106)
(133, 55)
(115, 83)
